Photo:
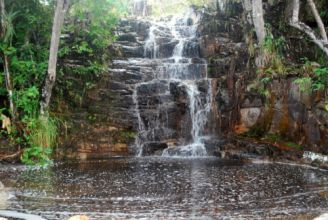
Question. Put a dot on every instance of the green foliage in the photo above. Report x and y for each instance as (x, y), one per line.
(285, 141)
(259, 86)
(27, 101)
(305, 84)
(321, 78)
(272, 53)
(25, 43)
(127, 135)
(273, 137)
(36, 156)
(266, 80)
(93, 68)
(166, 8)
(89, 30)
(294, 145)
(8, 28)
(92, 23)
(316, 79)
(41, 135)
(326, 106)
(272, 61)
(42, 131)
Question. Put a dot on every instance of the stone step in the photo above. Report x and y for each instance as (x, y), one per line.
(151, 102)
(127, 37)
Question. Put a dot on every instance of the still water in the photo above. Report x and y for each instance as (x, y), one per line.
(166, 188)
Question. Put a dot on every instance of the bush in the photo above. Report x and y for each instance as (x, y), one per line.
(36, 155)
(41, 135)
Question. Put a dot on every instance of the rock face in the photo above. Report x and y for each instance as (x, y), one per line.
(295, 114)
(135, 100)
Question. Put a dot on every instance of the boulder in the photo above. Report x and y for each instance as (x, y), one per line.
(150, 148)
(249, 116)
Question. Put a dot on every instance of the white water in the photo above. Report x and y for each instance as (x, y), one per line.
(151, 45)
(314, 156)
(179, 68)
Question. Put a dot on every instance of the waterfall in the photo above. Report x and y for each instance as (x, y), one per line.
(184, 67)
(140, 8)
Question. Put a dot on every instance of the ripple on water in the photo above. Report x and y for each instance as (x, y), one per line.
(166, 188)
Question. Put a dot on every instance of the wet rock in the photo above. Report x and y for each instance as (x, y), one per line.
(150, 148)
(133, 51)
(251, 101)
(262, 150)
(166, 50)
(163, 103)
(249, 116)
(209, 46)
(130, 37)
(224, 100)
(122, 75)
(316, 163)
(214, 145)
(186, 72)
(140, 27)
(178, 92)
(151, 102)
(312, 130)
(191, 49)
(152, 88)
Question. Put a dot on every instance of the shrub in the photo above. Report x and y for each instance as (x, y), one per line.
(41, 135)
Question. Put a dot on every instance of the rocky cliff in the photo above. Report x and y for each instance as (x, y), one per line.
(105, 123)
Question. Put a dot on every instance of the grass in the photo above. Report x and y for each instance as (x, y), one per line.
(294, 145)
(284, 141)
(41, 136)
(43, 131)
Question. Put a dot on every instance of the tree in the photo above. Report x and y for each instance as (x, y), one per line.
(258, 20)
(254, 12)
(6, 35)
(293, 11)
(61, 9)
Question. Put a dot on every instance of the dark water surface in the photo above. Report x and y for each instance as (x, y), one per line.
(163, 188)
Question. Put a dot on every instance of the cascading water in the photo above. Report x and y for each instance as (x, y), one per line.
(188, 71)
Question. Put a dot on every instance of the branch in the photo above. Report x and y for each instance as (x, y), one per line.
(295, 22)
(12, 156)
(319, 21)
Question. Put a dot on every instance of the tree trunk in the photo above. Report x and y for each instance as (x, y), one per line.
(248, 9)
(9, 86)
(295, 22)
(61, 9)
(258, 20)
(6, 63)
(319, 21)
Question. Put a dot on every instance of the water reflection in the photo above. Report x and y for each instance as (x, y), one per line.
(166, 188)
